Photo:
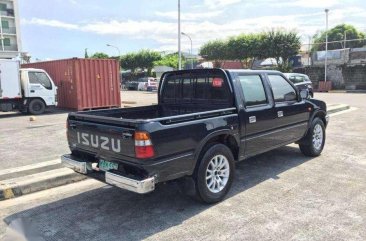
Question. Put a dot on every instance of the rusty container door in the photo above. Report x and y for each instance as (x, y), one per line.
(98, 84)
(84, 84)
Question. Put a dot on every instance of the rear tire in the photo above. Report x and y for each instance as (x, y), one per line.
(36, 107)
(315, 139)
(215, 174)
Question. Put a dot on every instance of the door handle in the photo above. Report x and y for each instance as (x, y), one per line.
(32, 91)
(252, 119)
(280, 113)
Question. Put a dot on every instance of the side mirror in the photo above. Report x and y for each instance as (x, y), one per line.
(291, 96)
(304, 94)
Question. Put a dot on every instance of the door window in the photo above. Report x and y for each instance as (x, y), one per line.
(253, 90)
(40, 78)
(282, 90)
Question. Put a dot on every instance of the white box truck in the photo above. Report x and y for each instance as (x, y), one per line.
(26, 90)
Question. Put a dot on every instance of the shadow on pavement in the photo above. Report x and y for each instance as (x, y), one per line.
(113, 214)
(52, 111)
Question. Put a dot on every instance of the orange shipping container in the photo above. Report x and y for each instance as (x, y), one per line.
(84, 83)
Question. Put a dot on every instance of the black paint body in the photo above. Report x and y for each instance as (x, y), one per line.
(179, 131)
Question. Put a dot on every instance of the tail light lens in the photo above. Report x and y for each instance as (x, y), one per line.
(143, 145)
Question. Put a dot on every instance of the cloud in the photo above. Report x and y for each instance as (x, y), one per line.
(50, 23)
(219, 3)
(163, 34)
(308, 3)
(189, 16)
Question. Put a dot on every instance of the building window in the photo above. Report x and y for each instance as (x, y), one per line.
(3, 7)
(5, 24)
(6, 41)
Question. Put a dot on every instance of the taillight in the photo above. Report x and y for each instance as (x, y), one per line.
(143, 145)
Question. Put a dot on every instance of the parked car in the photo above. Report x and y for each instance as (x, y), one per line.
(205, 121)
(148, 84)
(301, 81)
(132, 85)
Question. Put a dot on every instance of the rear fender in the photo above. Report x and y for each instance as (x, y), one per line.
(207, 140)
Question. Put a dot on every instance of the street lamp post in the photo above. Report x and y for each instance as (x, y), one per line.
(191, 48)
(179, 51)
(309, 50)
(119, 52)
(326, 45)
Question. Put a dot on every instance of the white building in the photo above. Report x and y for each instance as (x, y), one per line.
(10, 44)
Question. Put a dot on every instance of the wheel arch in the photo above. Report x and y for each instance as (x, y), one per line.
(29, 99)
(317, 114)
(321, 115)
(225, 137)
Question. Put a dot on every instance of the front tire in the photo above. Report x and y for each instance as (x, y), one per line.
(315, 139)
(36, 107)
(215, 174)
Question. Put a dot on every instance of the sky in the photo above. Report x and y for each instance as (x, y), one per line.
(54, 29)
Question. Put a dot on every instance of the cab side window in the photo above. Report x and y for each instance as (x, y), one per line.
(40, 78)
(282, 90)
(253, 90)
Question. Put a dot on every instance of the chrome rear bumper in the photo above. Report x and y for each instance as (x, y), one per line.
(138, 186)
(77, 166)
(133, 185)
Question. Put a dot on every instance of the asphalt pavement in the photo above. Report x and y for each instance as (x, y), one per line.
(280, 195)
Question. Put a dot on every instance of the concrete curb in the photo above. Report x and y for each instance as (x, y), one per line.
(33, 183)
(337, 108)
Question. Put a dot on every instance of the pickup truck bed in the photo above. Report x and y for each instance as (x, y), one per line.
(205, 119)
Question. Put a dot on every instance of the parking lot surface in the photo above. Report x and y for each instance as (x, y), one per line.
(280, 195)
(24, 142)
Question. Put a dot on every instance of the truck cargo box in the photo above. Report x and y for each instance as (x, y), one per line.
(10, 87)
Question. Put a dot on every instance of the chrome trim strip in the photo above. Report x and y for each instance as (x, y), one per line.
(272, 132)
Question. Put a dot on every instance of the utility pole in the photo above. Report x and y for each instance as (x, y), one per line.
(309, 59)
(326, 45)
(179, 50)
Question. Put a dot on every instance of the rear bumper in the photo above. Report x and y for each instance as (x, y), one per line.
(134, 185)
(137, 186)
(76, 165)
(327, 119)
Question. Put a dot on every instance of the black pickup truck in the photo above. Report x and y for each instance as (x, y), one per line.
(205, 121)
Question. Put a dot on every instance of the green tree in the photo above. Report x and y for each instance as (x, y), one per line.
(215, 50)
(144, 59)
(277, 44)
(338, 33)
(86, 55)
(100, 55)
(171, 60)
(281, 45)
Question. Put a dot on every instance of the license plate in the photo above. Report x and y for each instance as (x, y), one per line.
(106, 165)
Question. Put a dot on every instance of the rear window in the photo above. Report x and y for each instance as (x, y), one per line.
(193, 87)
(297, 79)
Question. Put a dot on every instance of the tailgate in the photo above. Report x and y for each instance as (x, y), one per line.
(101, 140)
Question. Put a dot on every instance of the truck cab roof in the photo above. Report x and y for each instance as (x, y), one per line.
(32, 69)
